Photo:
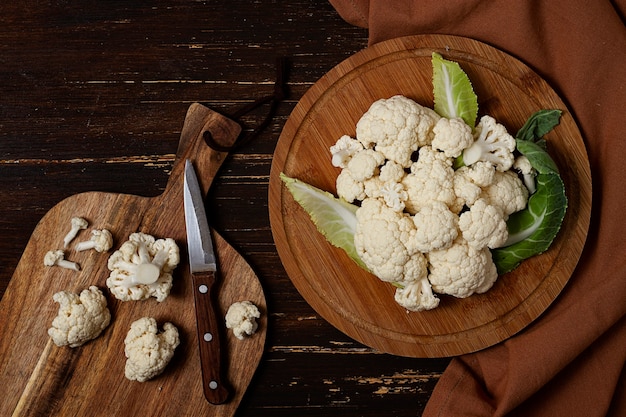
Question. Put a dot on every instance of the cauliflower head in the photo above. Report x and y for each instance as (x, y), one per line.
(382, 240)
(396, 127)
(80, 318)
(241, 319)
(142, 268)
(147, 350)
(461, 270)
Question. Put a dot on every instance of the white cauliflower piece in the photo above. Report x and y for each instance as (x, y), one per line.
(492, 143)
(394, 195)
(241, 319)
(348, 188)
(483, 225)
(523, 166)
(101, 241)
(365, 164)
(417, 296)
(469, 182)
(147, 350)
(507, 192)
(452, 136)
(437, 227)
(461, 270)
(392, 171)
(142, 268)
(343, 150)
(381, 239)
(396, 127)
(80, 318)
(431, 179)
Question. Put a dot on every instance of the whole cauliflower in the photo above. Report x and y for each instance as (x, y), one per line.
(142, 268)
(147, 350)
(382, 240)
(241, 318)
(81, 317)
(396, 127)
(461, 270)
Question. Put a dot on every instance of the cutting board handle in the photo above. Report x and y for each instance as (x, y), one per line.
(192, 145)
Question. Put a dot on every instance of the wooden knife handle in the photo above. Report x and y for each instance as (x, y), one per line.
(209, 329)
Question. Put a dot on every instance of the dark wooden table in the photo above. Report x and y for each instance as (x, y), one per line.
(92, 98)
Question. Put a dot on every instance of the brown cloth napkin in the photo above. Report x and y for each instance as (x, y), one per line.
(570, 361)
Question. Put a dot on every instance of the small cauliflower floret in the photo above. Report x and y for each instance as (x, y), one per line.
(461, 270)
(365, 164)
(78, 224)
(522, 166)
(417, 296)
(436, 227)
(81, 318)
(394, 195)
(101, 241)
(452, 136)
(507, 192)
(57, 257)
(469, 182)
(147, 350)
(396, 127)
(431, 179)
(483, 225)
(343, 150)
(391, 171)
(142, 268)
(492, 143)
(380, 241)
(348, 188)
(241, 319)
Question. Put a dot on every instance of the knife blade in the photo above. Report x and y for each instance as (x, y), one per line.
(204, 276)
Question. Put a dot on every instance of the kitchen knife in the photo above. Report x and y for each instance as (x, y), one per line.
(204, 275)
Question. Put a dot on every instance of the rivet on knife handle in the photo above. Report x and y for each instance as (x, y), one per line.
(215, 390)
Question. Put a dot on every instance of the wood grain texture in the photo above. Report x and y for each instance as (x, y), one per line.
(355, 301)
(92, 96)
(44, 379)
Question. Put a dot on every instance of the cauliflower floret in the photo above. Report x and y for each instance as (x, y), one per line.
(344, 149)
(142, 268)
(507, 192)
(380, 241)
(241, 318)
(492, 144)
(461, 270)
(348, 188)
(417, 296)
(147, 351)
(469, 182)
(81, 317)
(452, 136)
(392, 171)
(436, 227)
(394, 195)
(523, 166)
(396, 127)
(365, 164)
(483, 226)
(431, 179)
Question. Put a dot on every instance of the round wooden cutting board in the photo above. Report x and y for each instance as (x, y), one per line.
(358, 303)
